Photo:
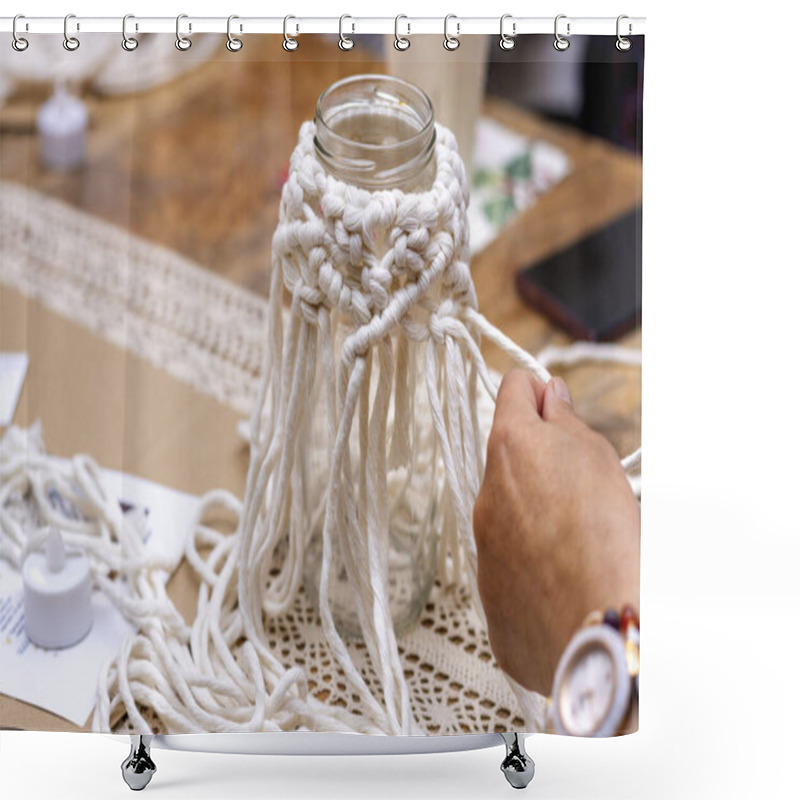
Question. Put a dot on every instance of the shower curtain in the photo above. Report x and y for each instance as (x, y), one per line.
(155, 209)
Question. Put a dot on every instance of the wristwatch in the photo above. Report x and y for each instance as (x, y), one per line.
(597, 680)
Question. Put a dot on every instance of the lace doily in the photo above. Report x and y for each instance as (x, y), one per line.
(455, 684)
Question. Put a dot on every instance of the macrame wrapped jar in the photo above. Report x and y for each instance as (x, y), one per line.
(375, 134)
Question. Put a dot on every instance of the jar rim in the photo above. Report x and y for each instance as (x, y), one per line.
(423, 133)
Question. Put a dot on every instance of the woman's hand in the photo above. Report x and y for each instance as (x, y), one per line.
(556, 526)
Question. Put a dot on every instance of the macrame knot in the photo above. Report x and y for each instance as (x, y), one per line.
(442, 321)
(372, 256)
(378, 282)
(379, 214)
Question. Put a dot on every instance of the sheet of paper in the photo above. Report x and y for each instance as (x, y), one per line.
(65, 681)
(13, 367)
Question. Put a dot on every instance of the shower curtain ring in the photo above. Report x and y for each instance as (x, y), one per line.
(346, 43)
(623, 44)
(401, 43)
(129, 43)
(71, 43)
(289, 44)
(560, 42)
(507, 42)
(233, 44)
(18, 43)
(182, 42)
(451, 42)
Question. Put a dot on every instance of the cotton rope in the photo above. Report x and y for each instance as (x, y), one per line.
(382, 342)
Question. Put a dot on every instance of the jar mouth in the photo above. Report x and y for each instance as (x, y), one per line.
(392, 93)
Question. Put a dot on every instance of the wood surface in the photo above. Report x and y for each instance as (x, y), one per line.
(197, 166)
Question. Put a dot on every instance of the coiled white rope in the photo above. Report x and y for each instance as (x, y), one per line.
(383, 323)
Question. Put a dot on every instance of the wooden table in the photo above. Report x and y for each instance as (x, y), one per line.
(198, 166)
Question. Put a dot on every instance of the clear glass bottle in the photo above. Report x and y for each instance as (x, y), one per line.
(377, 132)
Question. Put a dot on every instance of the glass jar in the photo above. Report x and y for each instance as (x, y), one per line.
(377, 132)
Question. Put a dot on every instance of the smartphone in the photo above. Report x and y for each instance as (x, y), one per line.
(593, 289)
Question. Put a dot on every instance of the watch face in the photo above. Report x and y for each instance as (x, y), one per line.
(592, 687)
(587, 692)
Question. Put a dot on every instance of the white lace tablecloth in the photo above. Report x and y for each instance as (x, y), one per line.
(209, 333)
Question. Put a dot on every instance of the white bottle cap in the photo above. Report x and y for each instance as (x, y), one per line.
(62, 122)
(58, 595)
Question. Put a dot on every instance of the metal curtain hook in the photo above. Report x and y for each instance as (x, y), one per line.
(560, 42)
(623, 44)
(289, 44)
(344, 42)
(233, 44)
(18, 43)
(451, 42)
(129, 43)
(401, 42)
(182, 42)
(70, 42)
(507, 42)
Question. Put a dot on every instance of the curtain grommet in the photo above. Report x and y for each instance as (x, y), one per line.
(561, 43)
